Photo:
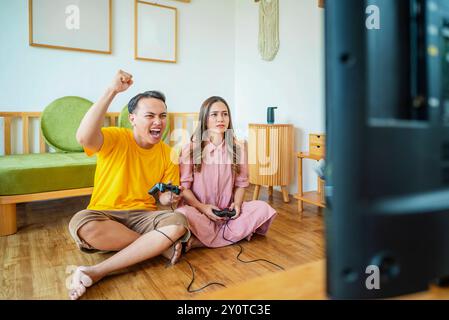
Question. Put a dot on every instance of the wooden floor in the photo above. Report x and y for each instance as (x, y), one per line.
(35, 263)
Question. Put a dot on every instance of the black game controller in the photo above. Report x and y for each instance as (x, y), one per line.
(225, 213)
(162, 187)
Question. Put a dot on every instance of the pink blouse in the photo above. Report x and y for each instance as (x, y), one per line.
(215, 183)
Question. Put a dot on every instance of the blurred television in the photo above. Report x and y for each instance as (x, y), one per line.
(387, 119)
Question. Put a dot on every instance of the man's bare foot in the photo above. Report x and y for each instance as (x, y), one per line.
(82, 278)
(173, 253)
(193, 242)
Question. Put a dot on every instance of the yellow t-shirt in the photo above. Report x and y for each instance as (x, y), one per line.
(125, 172)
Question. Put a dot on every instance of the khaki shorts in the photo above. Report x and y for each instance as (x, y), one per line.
(138, 221)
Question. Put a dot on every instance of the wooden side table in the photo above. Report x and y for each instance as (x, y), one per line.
(316, 152)
(270, 157)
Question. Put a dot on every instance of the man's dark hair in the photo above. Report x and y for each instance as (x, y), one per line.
(132, 105)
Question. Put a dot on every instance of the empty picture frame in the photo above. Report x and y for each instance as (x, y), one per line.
(156, 32)
(81, 25)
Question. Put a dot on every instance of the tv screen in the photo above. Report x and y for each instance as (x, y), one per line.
(387, 119)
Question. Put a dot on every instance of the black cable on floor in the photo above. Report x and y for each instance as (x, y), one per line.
(190, 265)
(193, 279)
(183, 258)
(241, 249)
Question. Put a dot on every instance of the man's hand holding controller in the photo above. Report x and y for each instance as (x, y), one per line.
(170, 198)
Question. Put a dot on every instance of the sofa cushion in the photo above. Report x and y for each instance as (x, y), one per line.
(123, 120)
(33, 173)
(60, 121)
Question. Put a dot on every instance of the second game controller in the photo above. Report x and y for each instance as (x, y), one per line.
(225, 213)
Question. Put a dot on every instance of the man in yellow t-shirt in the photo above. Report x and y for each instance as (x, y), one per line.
(122, 215)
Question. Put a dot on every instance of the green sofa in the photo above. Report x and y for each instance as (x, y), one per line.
(65, 172)
(67, 168)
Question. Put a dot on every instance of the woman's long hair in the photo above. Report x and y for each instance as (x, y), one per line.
(196, 149)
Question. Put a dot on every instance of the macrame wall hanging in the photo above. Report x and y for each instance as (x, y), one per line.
(268, 28)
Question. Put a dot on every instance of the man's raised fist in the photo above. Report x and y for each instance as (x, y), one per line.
(122, 81)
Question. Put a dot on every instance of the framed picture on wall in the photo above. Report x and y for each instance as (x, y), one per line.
(81, 25)
(156, 32)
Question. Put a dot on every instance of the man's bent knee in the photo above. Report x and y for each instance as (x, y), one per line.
(91, 230)
(180, 230)
(174, 229)
(175, 224)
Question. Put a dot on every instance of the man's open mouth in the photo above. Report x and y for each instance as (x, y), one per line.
(156, 133)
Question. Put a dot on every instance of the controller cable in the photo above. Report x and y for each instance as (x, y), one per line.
(182, 258)
(190, 265)
(241, 248)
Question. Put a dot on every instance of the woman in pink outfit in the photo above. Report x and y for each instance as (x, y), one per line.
(214, 173)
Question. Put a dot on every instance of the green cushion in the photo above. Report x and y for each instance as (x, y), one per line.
(32, 173)
(60, 121)
(123, 121)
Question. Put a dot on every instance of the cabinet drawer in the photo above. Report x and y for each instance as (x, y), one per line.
(317, 139)
(317, 150)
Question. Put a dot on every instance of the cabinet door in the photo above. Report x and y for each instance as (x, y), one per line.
(270, 154)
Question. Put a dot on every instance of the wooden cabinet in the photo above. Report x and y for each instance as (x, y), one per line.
(270, 157)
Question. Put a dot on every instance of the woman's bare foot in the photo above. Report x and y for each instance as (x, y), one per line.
(173, 253)
(82, 278)
(193, 242)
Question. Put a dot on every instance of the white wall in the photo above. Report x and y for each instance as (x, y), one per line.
(293, 81)
(31, 77)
